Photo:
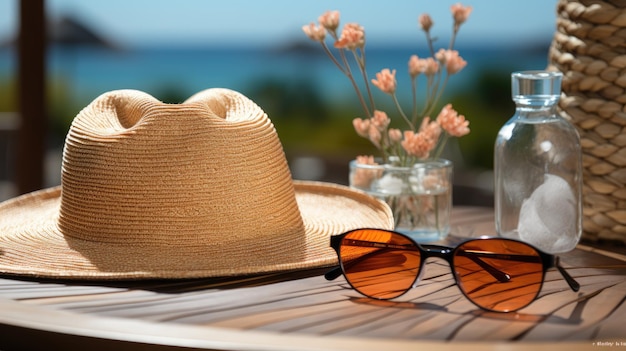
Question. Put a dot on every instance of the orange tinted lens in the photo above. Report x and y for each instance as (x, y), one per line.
(378, 263)
(497, 274)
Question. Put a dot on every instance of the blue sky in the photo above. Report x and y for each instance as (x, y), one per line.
(184, 22)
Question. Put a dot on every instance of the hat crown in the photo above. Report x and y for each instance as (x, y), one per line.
(206, 172)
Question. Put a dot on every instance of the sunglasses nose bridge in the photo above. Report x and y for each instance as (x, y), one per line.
(443, 252)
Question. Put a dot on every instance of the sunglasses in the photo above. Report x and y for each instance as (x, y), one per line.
(495, 274)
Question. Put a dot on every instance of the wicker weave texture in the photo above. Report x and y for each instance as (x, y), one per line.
(589, 47)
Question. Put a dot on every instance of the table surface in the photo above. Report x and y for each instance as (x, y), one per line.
(303, 311)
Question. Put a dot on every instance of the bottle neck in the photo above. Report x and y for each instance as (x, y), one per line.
(535, 111)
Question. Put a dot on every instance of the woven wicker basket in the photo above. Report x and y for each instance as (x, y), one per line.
(589, 47)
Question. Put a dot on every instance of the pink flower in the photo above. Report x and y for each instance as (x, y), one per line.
(453, 123)
(352, 37)
(395, 135)
(375, 136)
(454, 63)
(363, 177)
(386, 81)
(422, 143)
(380, 120)
(361, 126)
(366, 160)
(431, 130)
(432, 66)
(314, 32)
(432, 182)
(425, 22)
(418, 145)
(329, 20)
(460, 13)
(416, 66)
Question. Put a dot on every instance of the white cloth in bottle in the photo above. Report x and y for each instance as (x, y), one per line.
(548, 217)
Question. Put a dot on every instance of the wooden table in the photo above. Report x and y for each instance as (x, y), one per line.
(303, 311)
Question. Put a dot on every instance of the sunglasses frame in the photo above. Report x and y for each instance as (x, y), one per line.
(448, 253)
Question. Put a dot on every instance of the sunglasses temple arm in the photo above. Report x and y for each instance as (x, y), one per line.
(333, 273)
(502, 277)
(568, 278)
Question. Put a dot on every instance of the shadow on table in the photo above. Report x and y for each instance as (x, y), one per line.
(176, 286)
(573, 319)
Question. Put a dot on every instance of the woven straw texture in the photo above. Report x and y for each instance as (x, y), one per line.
(589, 47)
(200, 189)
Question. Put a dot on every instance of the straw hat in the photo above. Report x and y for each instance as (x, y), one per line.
(199, 189)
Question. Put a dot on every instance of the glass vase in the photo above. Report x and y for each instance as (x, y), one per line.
(420, 196)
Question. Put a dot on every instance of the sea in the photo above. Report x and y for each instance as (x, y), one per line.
(87, 71)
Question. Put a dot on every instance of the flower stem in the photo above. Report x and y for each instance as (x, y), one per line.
(348, 73)
(414, 93)
(361, 63)
(332, 57)
(441, 146)
(429, 40)
(437, 224)
(430, 92)
(455, 30)
(439, 93)
(395, 100)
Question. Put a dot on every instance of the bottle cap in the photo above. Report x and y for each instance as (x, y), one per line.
(536, 87)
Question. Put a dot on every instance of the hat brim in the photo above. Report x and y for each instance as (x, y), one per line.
(32, 245)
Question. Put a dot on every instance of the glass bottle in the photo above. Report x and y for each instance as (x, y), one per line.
(538, 168)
